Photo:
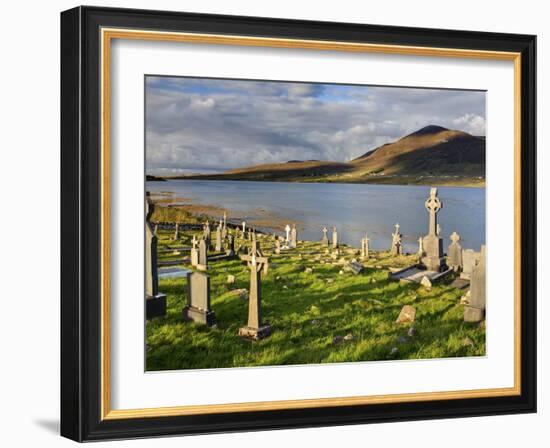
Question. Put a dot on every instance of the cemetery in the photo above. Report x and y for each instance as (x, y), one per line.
(220, 293)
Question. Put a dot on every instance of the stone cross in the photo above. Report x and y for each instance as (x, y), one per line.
(396, 245)
(475, 310)
(433, 244)
(324, 240)
(203, 256)
(198, 299)
(194, 252)
(287, 230)
(334, 238)
(219, 238)
(454, 253)
(293, 237)
(433, 205)
(155, 301)
(256, 262)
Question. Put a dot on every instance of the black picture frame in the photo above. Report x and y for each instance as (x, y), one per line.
(81, 224)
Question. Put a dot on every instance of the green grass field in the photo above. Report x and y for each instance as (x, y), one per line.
(307, 311)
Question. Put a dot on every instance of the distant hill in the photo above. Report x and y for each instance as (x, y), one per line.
(430, 155)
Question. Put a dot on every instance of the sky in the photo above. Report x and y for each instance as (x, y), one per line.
(200, 125)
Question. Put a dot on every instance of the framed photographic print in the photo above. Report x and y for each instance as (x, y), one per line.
(275, 224)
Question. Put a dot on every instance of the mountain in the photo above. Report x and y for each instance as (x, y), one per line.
(431, 155)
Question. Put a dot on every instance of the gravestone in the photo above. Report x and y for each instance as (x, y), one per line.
(287, 230)
(224, 219)
(365, 247)
(177, 232)
(230, 251)
(469, 260)
(207, 234)
(194, 252)
(324, 240)
(203, 256)
(420, 247)
(224, 232)
(396, 244)
(355, 267)
(454, 253)
(293, 237)
(155, 302)
(244, 227)
(256, 262)
(475, 310)
(334, 238)
(433, 244)
(198, 299)
(218, 247)
(277, 245)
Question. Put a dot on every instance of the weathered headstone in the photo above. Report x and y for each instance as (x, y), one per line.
(324, 240)
(230, 251)
(244, 227)
(365, 247)
(433, 244)
(287, 230)
(207, 234)
(293, 237)
(469, 260)
(155, 302)
(198, 299)
(203, 256)
(177, 232)
(454, 253)
(277, 245)
(218, 247)
(334, 238)
(420, 247)
(396, 244)
(475, 310)
(194, 252)
(355, 267)
(256, 262)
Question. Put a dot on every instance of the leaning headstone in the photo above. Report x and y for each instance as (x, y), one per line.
(324, 240)
(194, 252)
(356, 267)
(433, 244)
(255, 328)
(406, 315)
(203, 256)
(155, 302)
(396, 244)
(469, 260)
(219, 238)
(198, 299)
(454, 253)
(475, 310)
(334, 238)
(293, 237)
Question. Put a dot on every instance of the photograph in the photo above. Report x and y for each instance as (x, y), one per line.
(291, 223)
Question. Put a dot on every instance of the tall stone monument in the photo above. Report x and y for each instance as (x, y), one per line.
(334, 238)
(198, 299)
(218, 247)
(433, 244)
(475, 310)
(207, 234)
(365, 247)
(293, 237)
(256, 262)
(396, 242)
(287, 230)
(454, 253)
(155, 302)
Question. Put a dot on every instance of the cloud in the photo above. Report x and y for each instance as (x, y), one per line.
(196, 124)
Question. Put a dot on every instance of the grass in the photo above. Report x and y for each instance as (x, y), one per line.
(307, 311)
